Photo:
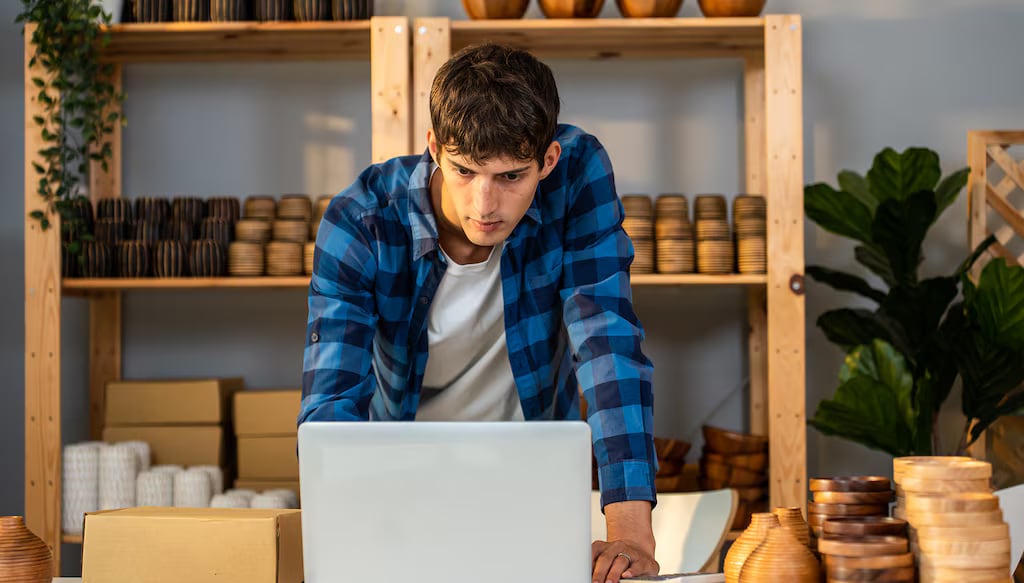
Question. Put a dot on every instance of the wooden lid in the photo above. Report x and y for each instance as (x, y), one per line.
(850, 484)
(869, 562)
(946, 469)
(865, 525)
(862, 546)
(847, 509)
(853, 497)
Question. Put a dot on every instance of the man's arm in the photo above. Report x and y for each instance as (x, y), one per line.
(612, 371)
(337, 377)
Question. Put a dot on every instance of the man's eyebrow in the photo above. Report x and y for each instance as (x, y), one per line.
(513, 171)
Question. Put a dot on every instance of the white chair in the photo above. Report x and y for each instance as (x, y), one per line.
(1011, 501)
(689, 528)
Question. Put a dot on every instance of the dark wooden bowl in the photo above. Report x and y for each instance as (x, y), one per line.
(312, 10)
(272, 10)
(169, 259)
(571, 8)
(157, 210)
(133, 259)
(191, 10)
(485, 9)
(731, 8)
(118, 209)
(207, 259)
(223, 208)
(671, 449)
(97, 260)
(731, 443)
(229, 10)
(648, 9)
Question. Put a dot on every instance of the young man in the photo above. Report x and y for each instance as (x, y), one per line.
(500, 254)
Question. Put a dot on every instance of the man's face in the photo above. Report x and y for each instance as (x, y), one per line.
(483, 202)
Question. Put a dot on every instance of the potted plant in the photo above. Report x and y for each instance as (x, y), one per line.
(80, 107)
(904, 355)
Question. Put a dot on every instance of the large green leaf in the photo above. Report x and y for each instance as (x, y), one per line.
(852, 327)
(990, 373)
(919, 308)
(899, 229)
(857, 186)
(997, 304)
(872, 405)
(842, 281)
(838, 212)
(897, 176)
(949, 189)
(875, 260)
(975, 255)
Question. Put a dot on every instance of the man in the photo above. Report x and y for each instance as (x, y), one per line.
(500, 253)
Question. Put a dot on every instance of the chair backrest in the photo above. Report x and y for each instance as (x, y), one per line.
(689, 528)
(1011, 501)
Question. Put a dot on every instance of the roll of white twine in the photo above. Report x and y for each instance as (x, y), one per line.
(216, 477)
(192, 489)
(80, 485)
(228, 501)
(142, 451)
(289, 495)
(244, 492)
(118, 468)
(154, 489)
(266, 500)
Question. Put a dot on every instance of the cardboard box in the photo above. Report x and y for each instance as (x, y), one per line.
(198, 545)
(263, 485)
(268, 458)
(263, 413)
(170, 402)
(183, 445)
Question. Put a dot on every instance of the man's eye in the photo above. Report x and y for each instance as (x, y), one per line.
(512, 176)
(464, 172)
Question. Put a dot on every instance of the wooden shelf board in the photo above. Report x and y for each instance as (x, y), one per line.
(238, 41)
(604, 38)
(84, 286)
(71, 539)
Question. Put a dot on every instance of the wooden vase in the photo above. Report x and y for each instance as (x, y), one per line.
(312, 10)
(223, 208)
(207, 259)
(109, 231)
(216, 229)
(152, 10)
(760, 524)
(485, 9)
(228, 10)
(24, 557)
(96, 259)
(157, 210)
(571, 8)
(188, 208)
(781, 557)
(649, 8)
(146, 231)
(169, 259)
(272, 10)
(182, 231)
(793, 519)
(118, 209)
(133, 259)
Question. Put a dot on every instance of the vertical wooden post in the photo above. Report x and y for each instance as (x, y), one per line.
(105, 308)
(977, 215)
(786, 375)
(431, 48)
(389, 81)
(42, 338)
(757, 320)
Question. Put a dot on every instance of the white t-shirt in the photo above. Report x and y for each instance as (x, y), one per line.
(468, 375)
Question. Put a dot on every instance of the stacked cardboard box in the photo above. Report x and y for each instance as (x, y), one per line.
(265, 425)
(185, 422)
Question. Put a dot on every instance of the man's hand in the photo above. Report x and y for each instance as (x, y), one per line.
(629, 551)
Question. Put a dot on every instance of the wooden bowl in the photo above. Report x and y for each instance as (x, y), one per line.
(571, 8)
(730, 475)
(731, 443)
(750, 461)
(647, 8)
(731, 8)
(486, 9)
(671, 449)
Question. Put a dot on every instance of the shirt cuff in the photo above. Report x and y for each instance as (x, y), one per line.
(627, 480)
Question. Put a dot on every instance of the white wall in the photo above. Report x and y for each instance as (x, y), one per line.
(876, 73)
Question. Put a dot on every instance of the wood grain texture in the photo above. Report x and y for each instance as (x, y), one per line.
(42, 340)
(389, 83)
(784, 170)
(757, 315)
(431, 48)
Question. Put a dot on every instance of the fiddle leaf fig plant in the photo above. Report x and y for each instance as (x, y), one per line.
(920, 336)
(80, 105)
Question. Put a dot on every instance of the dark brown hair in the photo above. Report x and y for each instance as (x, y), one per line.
(492, 100)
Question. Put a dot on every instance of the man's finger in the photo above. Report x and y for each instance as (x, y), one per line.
(596, 548)
(610, 564)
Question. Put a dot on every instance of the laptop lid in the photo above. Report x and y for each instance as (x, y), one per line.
(506, 502)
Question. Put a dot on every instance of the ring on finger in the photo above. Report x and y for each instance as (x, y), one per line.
(629, 559)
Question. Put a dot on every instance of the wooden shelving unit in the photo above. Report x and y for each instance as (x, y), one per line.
(769, 47)
(771, 51)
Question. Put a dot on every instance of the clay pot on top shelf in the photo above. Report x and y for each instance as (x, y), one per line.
(571, 8)
(24, 557)
(731, 8)
(649, 8)
(486, 9)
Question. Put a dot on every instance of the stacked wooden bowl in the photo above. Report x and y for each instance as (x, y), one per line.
(957, 531)
(866, 549)
(308, 253)
(750, 225)
(673, 235)
(671, 464)
(739, 461)
(318, 215)
(848, 496)
(261, 207)
(714, 241)
(639, 225)
(245, 259)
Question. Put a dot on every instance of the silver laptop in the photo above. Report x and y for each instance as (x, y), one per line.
(389, 502)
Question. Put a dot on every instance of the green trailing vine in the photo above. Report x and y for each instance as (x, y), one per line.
(80, 106)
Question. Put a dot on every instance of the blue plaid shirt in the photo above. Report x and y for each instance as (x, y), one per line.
(569, 320)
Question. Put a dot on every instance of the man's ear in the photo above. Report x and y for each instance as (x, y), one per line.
(551, 156)
(432, 145)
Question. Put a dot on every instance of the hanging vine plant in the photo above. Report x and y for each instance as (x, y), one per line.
(80, 106)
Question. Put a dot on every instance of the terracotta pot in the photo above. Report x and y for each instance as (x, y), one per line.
(793, 519)
(483, 9)
(731, 8)
(24, 557)
(649, 8)
(781, 557)
(760, 524)
(571, 8)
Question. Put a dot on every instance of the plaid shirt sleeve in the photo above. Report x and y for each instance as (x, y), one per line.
(604, 332)
(337, 376)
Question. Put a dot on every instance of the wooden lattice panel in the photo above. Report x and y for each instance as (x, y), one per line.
(996, 190)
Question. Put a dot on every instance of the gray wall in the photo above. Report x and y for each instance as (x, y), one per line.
(876, 73)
